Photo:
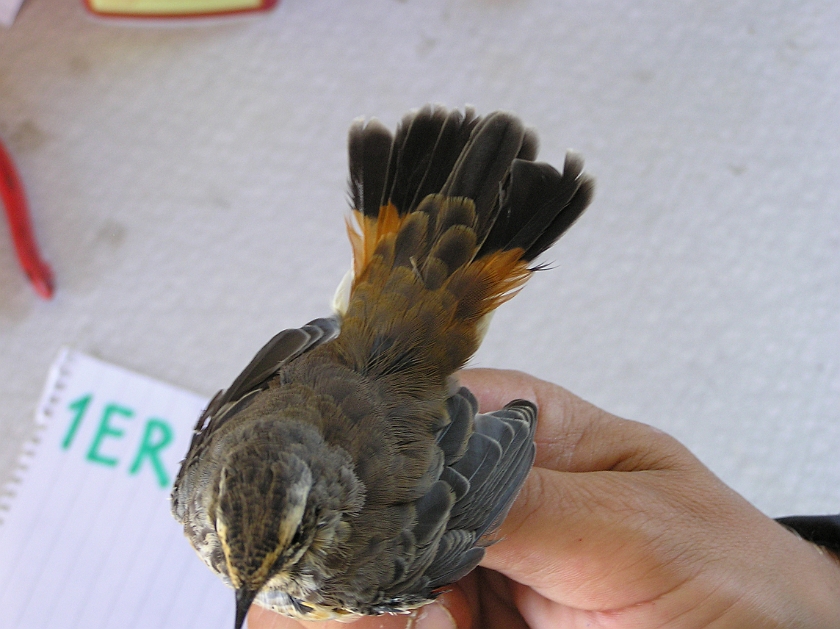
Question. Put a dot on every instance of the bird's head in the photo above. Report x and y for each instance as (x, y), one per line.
(259, 516)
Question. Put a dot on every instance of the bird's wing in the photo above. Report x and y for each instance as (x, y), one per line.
(280, 350)
(487, 458)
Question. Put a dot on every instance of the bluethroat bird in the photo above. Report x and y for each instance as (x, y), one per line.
(344, 472)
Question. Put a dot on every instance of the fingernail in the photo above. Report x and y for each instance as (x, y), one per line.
(435, 616)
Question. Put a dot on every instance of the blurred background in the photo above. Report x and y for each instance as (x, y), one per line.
(188, 186)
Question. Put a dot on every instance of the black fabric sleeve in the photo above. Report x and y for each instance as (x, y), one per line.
(823, 530)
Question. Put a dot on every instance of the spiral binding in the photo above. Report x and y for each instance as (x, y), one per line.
(51, 397)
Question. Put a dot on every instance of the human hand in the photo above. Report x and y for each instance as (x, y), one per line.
(620, 526)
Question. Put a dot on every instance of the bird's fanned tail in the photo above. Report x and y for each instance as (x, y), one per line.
(454, 205)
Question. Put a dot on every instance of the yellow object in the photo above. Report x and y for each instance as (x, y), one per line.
(164, 8)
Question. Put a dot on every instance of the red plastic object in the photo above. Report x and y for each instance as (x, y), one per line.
(14, 200)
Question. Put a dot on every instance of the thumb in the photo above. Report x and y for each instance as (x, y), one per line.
(583, 539)
(595, 512)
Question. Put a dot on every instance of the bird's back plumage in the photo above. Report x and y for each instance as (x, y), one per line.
(385, 481)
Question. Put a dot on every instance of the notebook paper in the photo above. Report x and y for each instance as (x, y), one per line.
(86, 536)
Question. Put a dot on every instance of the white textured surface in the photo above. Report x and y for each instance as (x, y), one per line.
(8, 11)
(187, 185)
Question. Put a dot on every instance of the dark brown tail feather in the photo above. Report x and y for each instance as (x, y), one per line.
(537, 205)
(516, 203)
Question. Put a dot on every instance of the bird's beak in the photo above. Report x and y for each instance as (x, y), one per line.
(244, 598)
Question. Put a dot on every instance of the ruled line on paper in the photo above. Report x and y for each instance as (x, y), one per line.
(86, 538)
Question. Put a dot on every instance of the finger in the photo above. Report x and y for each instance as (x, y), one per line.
(572, 434)
(260, 618)
(608, 540)
(482, 600)
(592, 540)
(627, 542)
(498, 608)
(458, 601)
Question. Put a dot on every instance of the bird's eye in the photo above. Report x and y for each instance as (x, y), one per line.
(297, 536)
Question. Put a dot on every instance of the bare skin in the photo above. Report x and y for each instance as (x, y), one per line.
(619, 526)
